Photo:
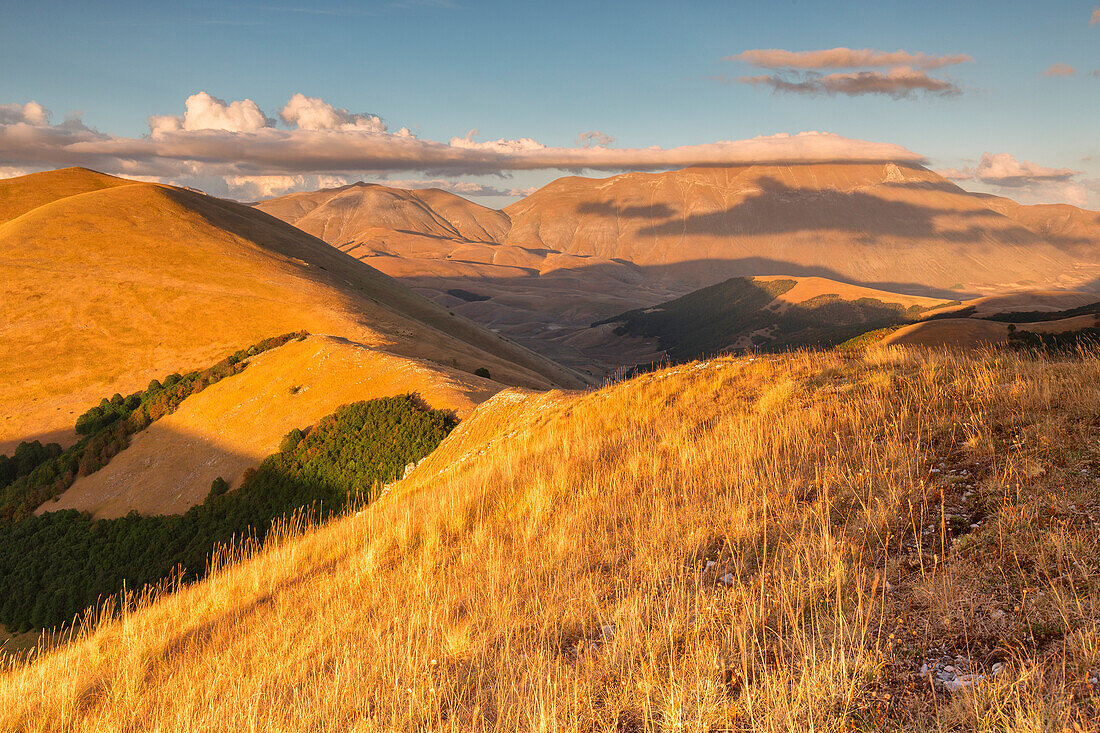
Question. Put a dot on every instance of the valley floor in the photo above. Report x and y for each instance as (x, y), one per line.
(815, 541)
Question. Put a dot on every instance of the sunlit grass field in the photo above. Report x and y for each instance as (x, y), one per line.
(779, 543)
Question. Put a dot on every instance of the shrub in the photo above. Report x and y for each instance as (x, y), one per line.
(482, 372)
(217, 487)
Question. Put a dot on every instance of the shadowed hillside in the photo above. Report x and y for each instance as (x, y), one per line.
(809, 541)
(767, 313)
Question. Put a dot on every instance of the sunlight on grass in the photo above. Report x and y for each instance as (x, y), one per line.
(773, 543)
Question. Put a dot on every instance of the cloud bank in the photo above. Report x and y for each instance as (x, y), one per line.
(237, 140)
(260, 187)
(798, 72)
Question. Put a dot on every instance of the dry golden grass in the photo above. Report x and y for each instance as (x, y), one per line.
(547, 569)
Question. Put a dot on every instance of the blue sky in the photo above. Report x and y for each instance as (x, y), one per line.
(643, 73)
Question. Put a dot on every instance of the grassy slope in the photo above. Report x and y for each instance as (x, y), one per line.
(112, 286)
(549, 568)
(236, 423)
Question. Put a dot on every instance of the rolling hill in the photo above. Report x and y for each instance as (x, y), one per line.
(581, 250)
(898, 228)
(108, 284)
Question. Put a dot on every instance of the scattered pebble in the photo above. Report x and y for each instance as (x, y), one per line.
(726, 579)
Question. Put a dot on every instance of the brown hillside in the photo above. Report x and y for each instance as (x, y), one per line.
(107, 289)
(344, 215)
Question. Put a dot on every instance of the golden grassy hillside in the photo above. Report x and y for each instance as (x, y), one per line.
(235, 423)
(108, 288)
(776, 544)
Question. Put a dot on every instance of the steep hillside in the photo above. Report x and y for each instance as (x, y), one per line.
(108, 288)
(232, 425)
(1075, 230)
(817, 541)
(780, 313)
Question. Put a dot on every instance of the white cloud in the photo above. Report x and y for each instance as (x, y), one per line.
(313, 113)
(523, 145)
(1004, 170)
(31, 113)
(12, 172)
(262, 187)
(1095, 17)
(206, 112)
(254, 188)
(1026, 182)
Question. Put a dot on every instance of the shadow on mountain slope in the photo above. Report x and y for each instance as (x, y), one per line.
(779, 209)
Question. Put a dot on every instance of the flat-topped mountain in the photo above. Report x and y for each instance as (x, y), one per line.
(882, 225)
